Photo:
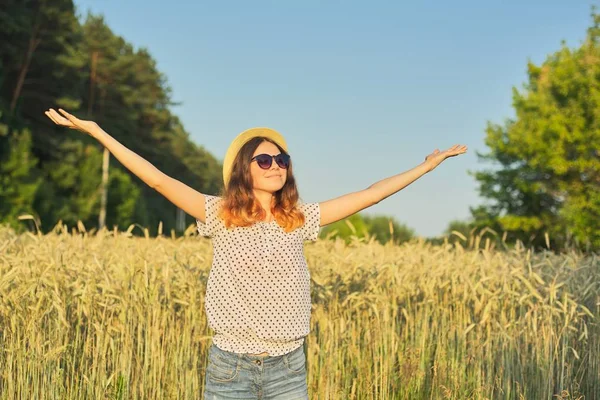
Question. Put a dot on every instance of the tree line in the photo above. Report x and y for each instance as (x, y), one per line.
(543, 191)
(49, 59)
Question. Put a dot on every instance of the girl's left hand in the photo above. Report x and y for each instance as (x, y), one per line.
(436, 158)
(71, 121)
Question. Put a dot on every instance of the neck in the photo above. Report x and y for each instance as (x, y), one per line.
(265, 199)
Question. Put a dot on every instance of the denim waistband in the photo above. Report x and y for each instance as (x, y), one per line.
(266, 359)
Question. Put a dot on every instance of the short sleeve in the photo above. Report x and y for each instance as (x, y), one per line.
(312, 224)
(211, 208)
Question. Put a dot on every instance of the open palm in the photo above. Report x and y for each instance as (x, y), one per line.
(71, 121)
(436, 158)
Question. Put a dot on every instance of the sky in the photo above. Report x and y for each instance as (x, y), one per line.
(361, 91)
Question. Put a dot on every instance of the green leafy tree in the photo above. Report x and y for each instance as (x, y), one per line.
(48, 59)
(19, 180)
(38, 55)
(548, 179)
(38, 65)
(130, 99)
(363, 226)
(353, 225)
(386, 228)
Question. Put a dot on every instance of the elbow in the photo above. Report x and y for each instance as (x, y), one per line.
(374, 196)
(156, 182)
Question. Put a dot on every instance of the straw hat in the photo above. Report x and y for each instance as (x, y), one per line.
(242, 139)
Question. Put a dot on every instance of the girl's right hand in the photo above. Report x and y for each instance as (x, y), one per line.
(71, 121)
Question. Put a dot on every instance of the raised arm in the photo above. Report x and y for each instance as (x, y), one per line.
(178, 193)
(344, 206)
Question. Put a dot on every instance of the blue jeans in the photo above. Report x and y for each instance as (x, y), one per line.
(242, 376)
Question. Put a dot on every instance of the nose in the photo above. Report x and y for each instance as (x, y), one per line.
(274, 165)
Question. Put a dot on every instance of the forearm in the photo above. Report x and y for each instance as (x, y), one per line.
(133, 162)
(388, 186)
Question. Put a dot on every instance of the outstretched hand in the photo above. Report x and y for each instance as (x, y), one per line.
(436, 158)
(71, 121)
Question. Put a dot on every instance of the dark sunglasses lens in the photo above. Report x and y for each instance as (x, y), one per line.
(264, 161)
(283, 160)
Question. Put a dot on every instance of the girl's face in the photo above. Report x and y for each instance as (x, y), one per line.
(271, 179)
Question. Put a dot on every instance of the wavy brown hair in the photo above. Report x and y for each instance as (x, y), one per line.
(239, 206)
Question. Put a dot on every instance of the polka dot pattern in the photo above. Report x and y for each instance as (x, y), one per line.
(258, 289)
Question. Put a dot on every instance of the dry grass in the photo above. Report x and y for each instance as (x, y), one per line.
(108, 316)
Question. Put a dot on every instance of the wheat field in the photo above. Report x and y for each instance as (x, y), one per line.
(109, 315)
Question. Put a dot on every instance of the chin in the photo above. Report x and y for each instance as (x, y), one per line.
(271, 188)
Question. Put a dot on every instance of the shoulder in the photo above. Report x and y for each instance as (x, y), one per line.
(311, 211)
(212, 200)
(308, 207)
(312, 220)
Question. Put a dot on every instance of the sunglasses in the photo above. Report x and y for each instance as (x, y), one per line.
(266, 160)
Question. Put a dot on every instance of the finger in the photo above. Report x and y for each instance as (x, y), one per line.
(49, 115)
(63, 120)
(57, 118)
(66, 114)
(70, 117)
(55, 114)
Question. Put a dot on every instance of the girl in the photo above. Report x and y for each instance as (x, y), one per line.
(258, 290)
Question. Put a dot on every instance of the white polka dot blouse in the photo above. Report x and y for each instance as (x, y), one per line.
(258, 289)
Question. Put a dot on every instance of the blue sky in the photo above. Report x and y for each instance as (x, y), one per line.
(360, 90)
